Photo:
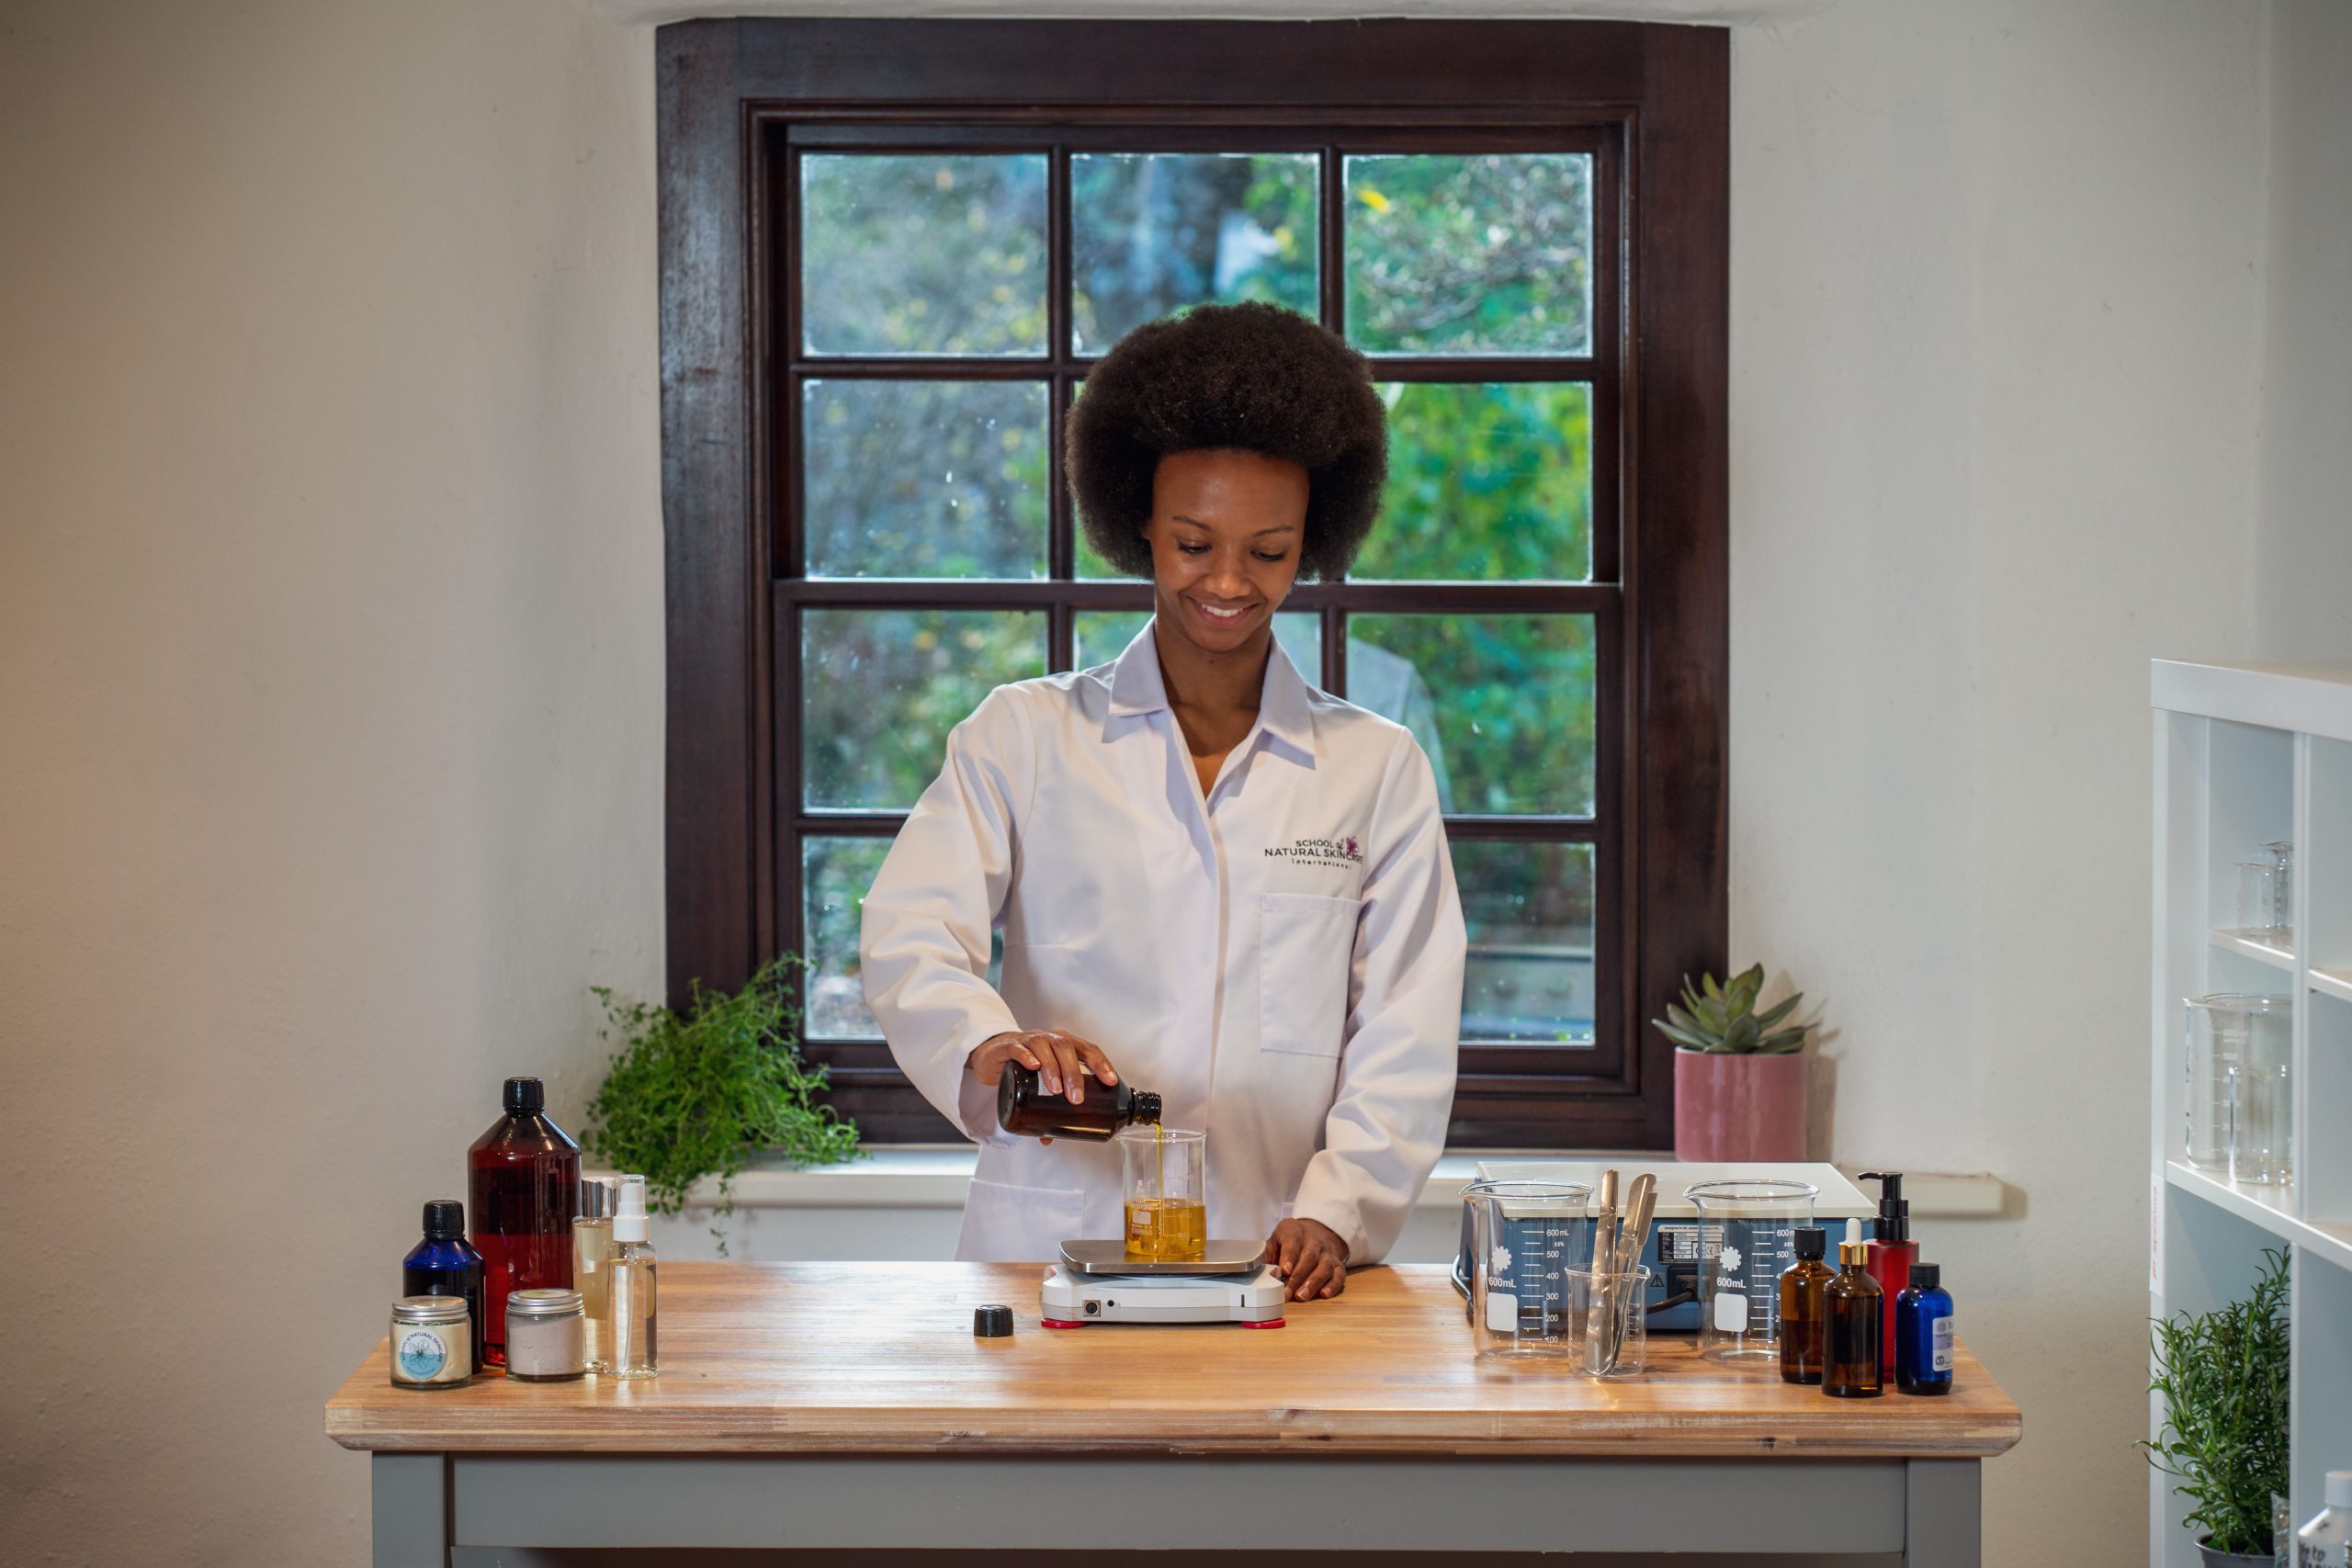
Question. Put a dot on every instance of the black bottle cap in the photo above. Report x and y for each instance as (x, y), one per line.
(1146, 1106)
(1926, 1277)
(1812, 1243)
(526, 1096)
(445, 1220)
(1894, 1222)
(992, 1322)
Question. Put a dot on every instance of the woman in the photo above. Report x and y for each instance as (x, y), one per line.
(1212, 879)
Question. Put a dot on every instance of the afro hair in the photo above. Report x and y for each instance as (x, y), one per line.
(1252, 378)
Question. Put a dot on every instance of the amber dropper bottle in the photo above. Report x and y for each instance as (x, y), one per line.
(1852, 1305)
(1022, 1106)
(1802, 1284)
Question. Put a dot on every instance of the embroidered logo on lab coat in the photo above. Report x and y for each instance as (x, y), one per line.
(1339, 851)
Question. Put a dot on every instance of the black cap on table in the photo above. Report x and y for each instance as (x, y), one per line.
(992, 1322)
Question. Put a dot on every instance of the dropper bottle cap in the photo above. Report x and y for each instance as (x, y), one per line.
(1853, 1252)
(628, 1213)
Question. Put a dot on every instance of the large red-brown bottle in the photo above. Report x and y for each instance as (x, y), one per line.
(525, 1175)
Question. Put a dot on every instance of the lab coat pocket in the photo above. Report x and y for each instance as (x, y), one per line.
(1004, 1224)
(1306, 947)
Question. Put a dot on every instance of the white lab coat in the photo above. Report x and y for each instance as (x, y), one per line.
(1281, 962)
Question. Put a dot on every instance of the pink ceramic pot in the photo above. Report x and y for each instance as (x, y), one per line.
(1738, 1107)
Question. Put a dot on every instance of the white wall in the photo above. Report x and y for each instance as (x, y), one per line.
(2303, 511)
(330, 702)
(330, 655)
(1996, 272)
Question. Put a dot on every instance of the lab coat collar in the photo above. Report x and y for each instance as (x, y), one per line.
(1138, 687)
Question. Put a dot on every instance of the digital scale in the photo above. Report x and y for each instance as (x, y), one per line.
(1096, 1283)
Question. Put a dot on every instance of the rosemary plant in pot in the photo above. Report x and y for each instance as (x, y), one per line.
(2222, 1377)
(704, 1092)
(1739, 1075)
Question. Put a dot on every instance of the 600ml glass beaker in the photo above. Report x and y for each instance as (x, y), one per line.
(1746, 1237)
(2237, 1104)
(1165, 1181)
(1527, 1238)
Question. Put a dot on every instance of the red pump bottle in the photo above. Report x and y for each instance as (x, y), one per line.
(1892, 1251)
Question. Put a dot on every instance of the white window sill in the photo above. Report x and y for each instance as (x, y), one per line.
(935, 1176)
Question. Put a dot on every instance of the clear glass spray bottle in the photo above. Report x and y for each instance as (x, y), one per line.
(630, 1286)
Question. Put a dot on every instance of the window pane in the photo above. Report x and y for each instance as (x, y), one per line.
(834, 875)
(923, 254)
(1529, 907)
(880, 689)
(1483, 253)
(1485, 483)
(925, 479)
(1511, 697)
(1152, 233)
(1101, 635)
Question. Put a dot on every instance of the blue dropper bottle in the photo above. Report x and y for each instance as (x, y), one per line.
(1923, 1342)
(446, 1264)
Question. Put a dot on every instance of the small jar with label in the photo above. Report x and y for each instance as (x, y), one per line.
(432, 1342)
(547, 1338)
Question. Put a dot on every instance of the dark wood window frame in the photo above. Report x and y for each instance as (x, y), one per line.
(736, 96)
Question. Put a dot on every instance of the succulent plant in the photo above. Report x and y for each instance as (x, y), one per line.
(1722, 1019)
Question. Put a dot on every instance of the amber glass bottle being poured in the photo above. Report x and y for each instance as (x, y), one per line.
(1022, 1106)
(525, 1175)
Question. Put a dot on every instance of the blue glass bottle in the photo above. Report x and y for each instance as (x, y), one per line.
(1923, 1343)
(446, 1264)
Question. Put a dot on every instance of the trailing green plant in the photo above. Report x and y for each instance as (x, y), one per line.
(1722, 1019)
(2223, 1378)
(703, 1093)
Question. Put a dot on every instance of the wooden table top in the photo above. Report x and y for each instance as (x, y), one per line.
(841, 1358)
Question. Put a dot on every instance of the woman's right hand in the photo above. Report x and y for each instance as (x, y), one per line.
(1061, 1060)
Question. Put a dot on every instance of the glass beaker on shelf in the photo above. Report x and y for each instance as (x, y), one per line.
(1527, 1240)
(1746, 1235)
(1164, 1179)
(2217, 1030)
(2260, 1099)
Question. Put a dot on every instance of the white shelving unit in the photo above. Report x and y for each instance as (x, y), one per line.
(2246, 754)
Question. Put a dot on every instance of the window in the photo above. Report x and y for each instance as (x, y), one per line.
(890, 251)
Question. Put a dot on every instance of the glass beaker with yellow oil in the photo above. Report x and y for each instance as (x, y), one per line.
(1165, 1181)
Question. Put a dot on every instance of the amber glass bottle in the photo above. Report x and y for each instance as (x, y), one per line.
(1852, 1305)
(1022, 1106)
(1801, 1286)
(524, 1173)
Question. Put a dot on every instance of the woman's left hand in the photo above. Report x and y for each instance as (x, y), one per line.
(1310, 1258)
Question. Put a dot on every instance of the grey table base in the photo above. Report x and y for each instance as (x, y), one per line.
(434, 1510)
